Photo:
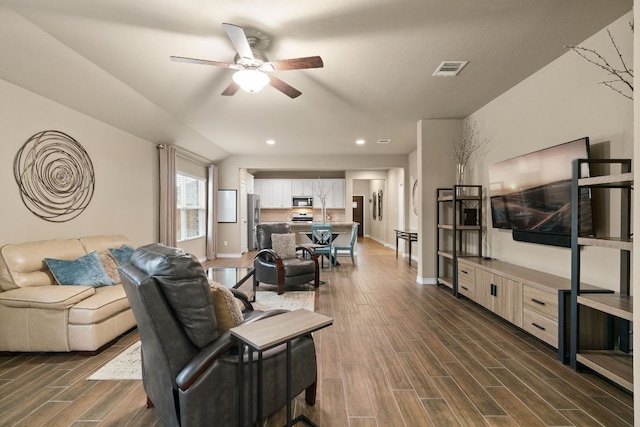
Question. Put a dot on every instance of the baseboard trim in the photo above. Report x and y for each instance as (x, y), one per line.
(219, 255)
(427, 280)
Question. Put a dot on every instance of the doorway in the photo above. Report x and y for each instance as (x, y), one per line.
(358, 213)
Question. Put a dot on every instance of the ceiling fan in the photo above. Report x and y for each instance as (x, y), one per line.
(252, 64)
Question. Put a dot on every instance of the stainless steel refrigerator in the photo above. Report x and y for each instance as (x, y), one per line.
(253, 219)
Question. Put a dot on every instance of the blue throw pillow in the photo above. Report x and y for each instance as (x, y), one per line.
(84, 271)
(122, 254)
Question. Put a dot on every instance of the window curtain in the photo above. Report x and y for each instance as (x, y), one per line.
(168, 201)
(212, 211)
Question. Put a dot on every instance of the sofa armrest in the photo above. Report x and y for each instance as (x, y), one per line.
(53, 297)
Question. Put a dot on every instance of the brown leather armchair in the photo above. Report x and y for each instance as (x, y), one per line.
(271, 268)
(190, 368)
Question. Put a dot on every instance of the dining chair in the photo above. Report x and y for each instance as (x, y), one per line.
(351, 247)
(322, 239)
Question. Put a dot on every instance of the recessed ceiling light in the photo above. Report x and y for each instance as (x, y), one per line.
(360, 142)
(271, 141)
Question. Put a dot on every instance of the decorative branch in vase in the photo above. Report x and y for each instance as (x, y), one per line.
(322, 194)
(621, 77)
(465, 148)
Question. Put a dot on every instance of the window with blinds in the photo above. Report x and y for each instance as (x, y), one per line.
(191, 207)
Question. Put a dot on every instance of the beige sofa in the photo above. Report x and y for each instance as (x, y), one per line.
(37, 314)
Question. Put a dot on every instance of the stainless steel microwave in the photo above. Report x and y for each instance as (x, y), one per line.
(302, 202)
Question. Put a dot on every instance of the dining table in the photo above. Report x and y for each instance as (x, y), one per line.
(323, 243)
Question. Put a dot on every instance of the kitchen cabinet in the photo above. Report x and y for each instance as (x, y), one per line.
(277, 193)
(274, 193)
(281, 193)
(302, 187)
(335, 189)
(337, 196)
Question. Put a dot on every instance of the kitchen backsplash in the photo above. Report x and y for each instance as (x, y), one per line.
(284, 215)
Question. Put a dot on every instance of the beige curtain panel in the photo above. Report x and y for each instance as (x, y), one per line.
(167, 154)
(212, 203)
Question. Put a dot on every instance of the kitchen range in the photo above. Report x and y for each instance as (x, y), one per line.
(302, 217)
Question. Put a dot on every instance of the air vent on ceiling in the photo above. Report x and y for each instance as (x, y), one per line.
(450, 68)
(384, 141)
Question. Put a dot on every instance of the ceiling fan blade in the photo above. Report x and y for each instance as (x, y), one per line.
(283, 87)
(297, 63)
(203, 62)
(239, 40)
(231, 89)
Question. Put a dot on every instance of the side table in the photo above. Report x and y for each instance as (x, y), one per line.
(268, 333)
(408, 235)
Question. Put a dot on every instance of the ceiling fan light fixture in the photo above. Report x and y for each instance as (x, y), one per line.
(251, 80)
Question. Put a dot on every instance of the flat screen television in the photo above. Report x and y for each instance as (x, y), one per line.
(531, 194)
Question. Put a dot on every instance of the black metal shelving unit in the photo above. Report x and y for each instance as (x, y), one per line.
(612, 358)
(459, 233)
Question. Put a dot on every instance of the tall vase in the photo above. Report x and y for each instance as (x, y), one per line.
(460, 177)
(323, 214)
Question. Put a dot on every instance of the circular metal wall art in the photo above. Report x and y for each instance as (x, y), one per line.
(55, 176)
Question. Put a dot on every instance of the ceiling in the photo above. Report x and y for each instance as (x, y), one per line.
(109, 59)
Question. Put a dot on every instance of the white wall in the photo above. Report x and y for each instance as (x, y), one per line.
(560, 103)
(125, 199)
(435, 170)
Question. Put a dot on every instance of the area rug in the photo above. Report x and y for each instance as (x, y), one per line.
(127, 366)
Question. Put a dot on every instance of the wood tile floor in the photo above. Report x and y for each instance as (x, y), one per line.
(398, 354)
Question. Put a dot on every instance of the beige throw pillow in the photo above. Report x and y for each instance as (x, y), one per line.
(228, 312)
(284, 245)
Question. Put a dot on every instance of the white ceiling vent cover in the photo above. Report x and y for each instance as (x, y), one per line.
(384, 141)
(450, 68)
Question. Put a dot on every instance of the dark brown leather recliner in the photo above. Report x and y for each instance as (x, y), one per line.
(272, 269)
(189, 368)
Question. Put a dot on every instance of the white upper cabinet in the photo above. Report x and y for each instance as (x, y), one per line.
(277, 193)
(335, 190)
(302, 187)
(337, 198)
(274, 193)
(281, 193)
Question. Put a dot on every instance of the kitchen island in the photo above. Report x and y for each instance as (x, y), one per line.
(343, 229)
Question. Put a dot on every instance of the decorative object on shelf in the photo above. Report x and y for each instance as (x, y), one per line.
(55, 176)
(380, 205)
(618, 76)
(464, 149)
(374, 197)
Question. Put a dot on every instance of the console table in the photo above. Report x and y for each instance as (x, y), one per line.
(268, 333)
(408, 235)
